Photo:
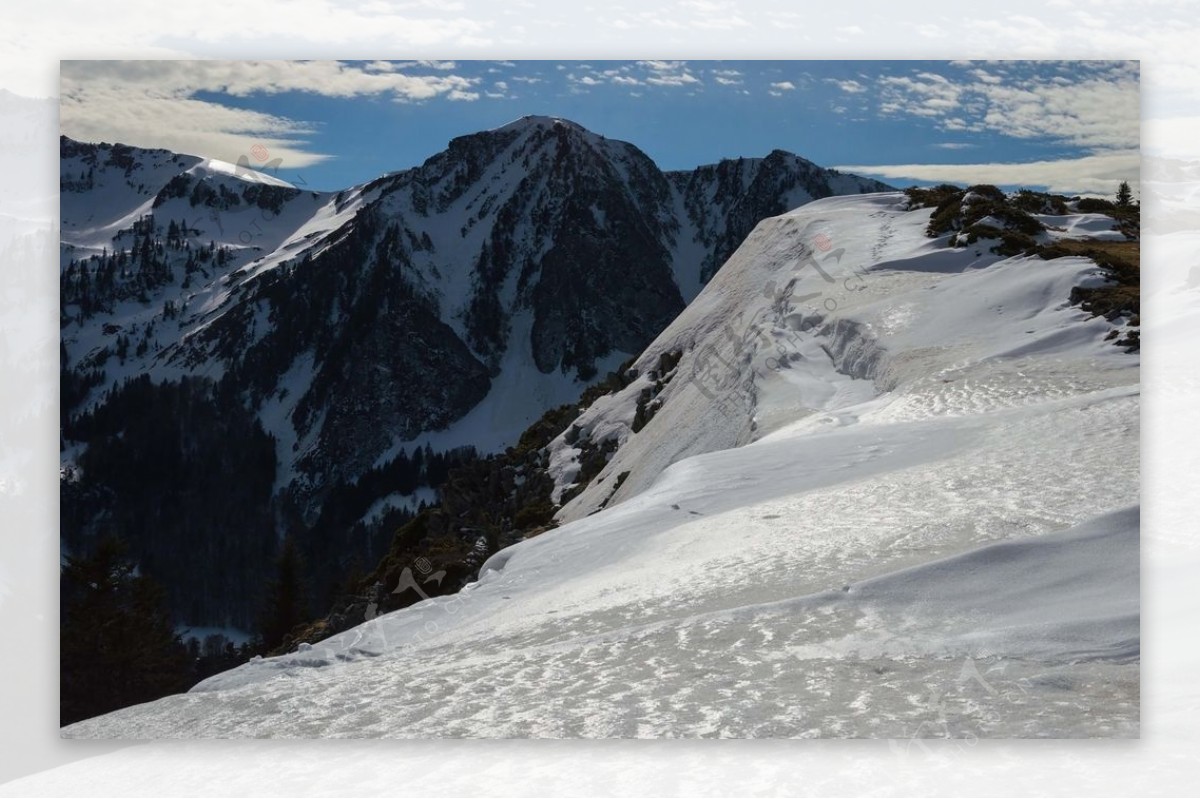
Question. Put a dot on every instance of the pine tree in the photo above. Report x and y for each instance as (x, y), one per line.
(1124, 195)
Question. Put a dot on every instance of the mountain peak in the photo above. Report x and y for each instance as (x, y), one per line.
(242, 172)
(539, 121)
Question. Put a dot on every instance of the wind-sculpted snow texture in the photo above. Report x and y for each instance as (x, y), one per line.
(891, 490)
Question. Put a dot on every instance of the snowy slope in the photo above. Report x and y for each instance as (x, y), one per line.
(931, 481)
(107, 190)
(787, 331)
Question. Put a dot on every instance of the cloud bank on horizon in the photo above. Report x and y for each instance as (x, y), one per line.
(1070, 126)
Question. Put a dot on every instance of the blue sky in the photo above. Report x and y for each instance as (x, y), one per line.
(1068, 126)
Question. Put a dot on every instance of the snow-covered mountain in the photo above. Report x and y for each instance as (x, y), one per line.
(538, 244)
(444, 306)
(866, 484)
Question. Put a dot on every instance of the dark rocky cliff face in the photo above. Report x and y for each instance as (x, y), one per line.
(725, 201)
(553, 220)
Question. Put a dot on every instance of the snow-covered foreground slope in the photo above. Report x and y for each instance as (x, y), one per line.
(898, 502)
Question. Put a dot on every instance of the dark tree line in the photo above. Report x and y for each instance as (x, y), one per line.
(185, 474)
(117, 644)
(338, 545)
(96, 283)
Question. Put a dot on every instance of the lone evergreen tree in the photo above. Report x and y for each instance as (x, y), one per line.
(1124, 195)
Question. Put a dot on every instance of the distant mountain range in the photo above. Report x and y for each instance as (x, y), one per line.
(244, 359)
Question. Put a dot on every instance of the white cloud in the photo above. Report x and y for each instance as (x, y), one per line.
(1098, 111)
(392, 66)
(1093, 174)
(1093, 113)
(243, 78)
(681, 79)
(662, 74)
(668, 73)
(848, 86)
(727, 77)
(925, 95)
(675, 79)
(662, 66)
(154, 103)
(784, 86)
